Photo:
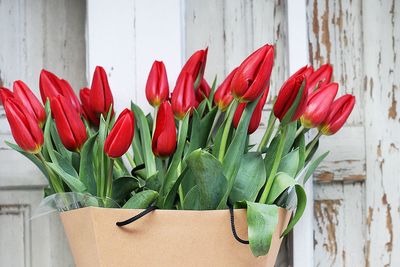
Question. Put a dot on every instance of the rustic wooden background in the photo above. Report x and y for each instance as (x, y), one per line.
(356, 190)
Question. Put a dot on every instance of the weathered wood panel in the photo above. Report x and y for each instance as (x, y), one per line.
(34, 35)
(335, 37)
(382, 76)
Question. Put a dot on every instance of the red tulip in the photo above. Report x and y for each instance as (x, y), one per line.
(29, 101)
(100, 94)
(5, 94)
(195, 66)
(183, 98)
(52, 86)
(287, 96)
(318, 105)
(252, 76)
(88, 113)
(223, 95)
(255, 117)
(338, 113)
(164, 138)
(69, 125)
(24, 128)
(202, 92)
(120, 137)
(319, 78)
(157, 88)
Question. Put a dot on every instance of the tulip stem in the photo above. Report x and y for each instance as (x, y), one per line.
(154, 121)
(130, 159)
(109, 181)
(267, 135)
(299, 131)
(216, 119)
(179, 170)
(312, 144)
(227, 128)
(53, 179)
(275, 165)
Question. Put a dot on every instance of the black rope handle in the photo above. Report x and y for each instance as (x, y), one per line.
(152, 207)
(137, 217)
(233, 228)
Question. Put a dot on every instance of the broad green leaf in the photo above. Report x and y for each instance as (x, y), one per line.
(262, 220)
(192, 199)
(141, 200)
(301, 205)
(249, 179)
(208, 175)
(201, 129)
(123, 186)
(57, 141)
(172, 174)
(145, 140)
(31, 157)
(282, 182)
(312, 152)
(86, 173)
(200, 109)
(313, 165)
(302, 152)
(136, 146)
(153, 183)
(270, 154)
(170, 197)
(290, 163)
(47, 139)
(290, 137)
(70, 178)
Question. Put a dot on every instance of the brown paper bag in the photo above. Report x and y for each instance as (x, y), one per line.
(163, 238)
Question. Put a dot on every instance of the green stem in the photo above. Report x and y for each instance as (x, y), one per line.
(108, 194)
(227, 128)
(130, 159)
(312, 144)
(268, 133)
(217, 116)
(275, 165)
(53, 178)
(154, 121)
(299, 131)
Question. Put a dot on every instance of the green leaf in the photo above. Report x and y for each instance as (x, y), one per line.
(290, 163)
(262, 220)
(301, 205)
(192, 199)
(172, 174)
(249, 179)
(292, 110)
(302, 152)
(68, 175)
(170, 197)
(312, 152)
(313, 165)
(57, 142)
(201, 129)
(31, 157)
(86, 173)
(290, 137)
(136, 146)
(208, 175)
(141, 200)
(123, 186)
(145, 136)
(282, 182)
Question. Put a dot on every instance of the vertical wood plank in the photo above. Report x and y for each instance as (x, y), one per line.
(382, 75)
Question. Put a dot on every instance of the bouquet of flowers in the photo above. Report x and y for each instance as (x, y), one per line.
(194, 153)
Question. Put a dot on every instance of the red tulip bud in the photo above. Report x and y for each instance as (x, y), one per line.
(252, 76)
(183, 98)
(101, 97)
(52, 86)
(24, 127)
(287, 96)
(319, 78)
(202, 92)
(157, 88)
(88, 113)
(69, 125)
(29, 101)
(223, 95)
(195, 66)
(255, 117)
(120, 137)
(164, 138)
(5, 94)
(318, 105)
(338, 113)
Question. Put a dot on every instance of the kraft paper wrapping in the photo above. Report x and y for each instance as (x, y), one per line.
(163, 238)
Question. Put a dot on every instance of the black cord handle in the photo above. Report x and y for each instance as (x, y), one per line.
(152, 207)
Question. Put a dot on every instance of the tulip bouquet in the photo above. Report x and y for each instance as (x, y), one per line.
(195, 152)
